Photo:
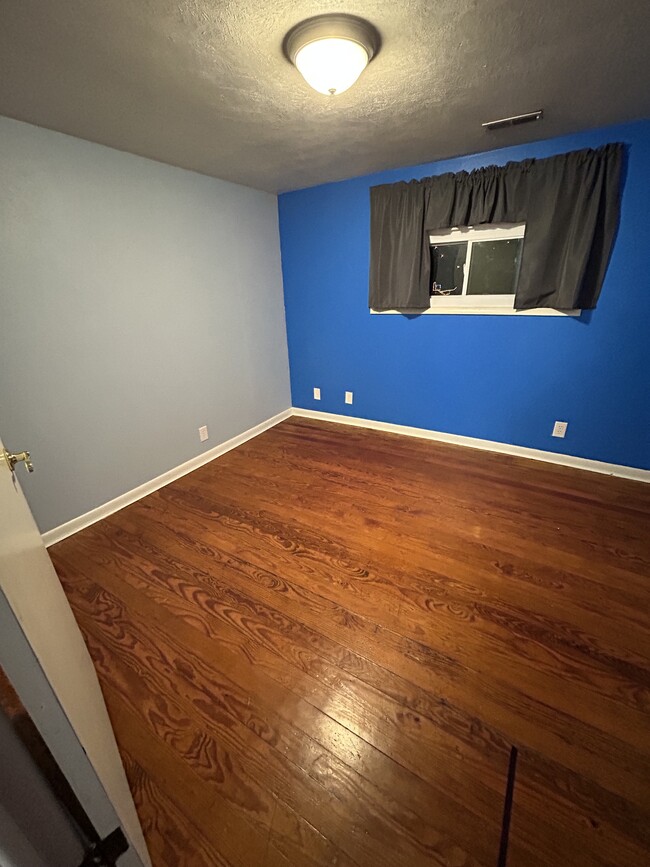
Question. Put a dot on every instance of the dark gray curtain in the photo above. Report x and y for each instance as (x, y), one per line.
(570, 204)
(399, 248)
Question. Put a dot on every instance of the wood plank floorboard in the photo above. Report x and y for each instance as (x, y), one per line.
(319, 649)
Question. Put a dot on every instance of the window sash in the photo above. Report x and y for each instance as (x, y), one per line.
(487, 232)
(475, 234)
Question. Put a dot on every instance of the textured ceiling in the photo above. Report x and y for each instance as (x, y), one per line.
(203, 84)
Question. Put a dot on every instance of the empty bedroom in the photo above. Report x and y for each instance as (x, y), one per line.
(325, 421)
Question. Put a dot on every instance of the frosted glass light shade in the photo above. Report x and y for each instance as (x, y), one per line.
(331, 65)
(331, 51)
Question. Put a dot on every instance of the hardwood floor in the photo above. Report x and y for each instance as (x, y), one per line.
(321, 647)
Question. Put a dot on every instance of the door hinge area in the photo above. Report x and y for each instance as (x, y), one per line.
(104, 853)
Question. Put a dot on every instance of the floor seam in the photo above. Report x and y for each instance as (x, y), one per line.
(507, 808)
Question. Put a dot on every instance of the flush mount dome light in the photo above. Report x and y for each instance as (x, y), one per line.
(331, 51)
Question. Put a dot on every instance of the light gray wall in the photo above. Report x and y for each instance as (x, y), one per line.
(137, 302)
(31, 818)
(16, 849)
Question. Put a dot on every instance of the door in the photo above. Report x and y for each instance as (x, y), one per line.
(44, 655)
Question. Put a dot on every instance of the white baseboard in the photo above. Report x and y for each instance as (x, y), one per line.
(76, 524)
(620, 470)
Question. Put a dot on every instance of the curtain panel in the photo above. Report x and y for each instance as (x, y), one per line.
(570, 204)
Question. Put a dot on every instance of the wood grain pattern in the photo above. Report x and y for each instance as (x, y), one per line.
(10, 704)
(319, 649)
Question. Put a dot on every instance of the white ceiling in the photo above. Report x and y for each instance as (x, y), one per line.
(203, 84)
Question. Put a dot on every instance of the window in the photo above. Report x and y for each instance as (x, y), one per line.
(476, 268)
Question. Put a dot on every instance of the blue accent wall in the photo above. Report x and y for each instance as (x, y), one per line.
(503, 378)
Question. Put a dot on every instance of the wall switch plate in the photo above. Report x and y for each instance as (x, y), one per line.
(317, 394)
(559, 428)
(203, 433)
(348, 397)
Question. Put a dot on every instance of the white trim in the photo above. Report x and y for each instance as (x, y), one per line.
(85, 520)
(482, 232)
(76, 524)
(466, 267)
(619, 470)
(457, 310)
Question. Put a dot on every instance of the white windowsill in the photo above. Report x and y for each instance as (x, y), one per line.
(478, 311)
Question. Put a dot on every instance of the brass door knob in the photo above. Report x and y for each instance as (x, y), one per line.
(12, 460)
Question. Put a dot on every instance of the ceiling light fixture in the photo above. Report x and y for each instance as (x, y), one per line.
(331, 51)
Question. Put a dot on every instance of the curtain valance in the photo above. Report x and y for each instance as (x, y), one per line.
(570, 204)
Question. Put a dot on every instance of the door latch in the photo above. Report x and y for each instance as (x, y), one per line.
(12, 460)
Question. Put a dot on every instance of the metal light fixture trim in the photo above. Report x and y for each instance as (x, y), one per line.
(326, 47)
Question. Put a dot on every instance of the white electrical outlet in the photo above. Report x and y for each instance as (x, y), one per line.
(559, 429)
(317, 394)
(203, 433)
(348, 397)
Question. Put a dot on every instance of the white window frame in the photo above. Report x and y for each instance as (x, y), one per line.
(470, 235)
(502, 305)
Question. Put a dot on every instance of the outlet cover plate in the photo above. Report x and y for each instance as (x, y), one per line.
(559, 429)
(203, 433)
(317, 394)
(348, 396)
